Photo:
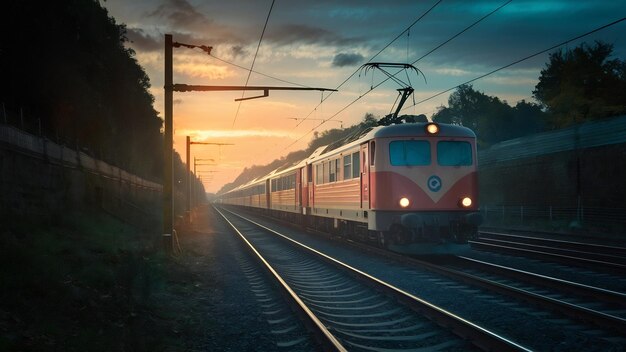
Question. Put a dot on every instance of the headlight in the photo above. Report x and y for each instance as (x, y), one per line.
(466, 202)
(404, 202)
(432, 128)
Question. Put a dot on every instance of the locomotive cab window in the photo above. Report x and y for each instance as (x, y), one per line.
(454, 153)
(409, 153)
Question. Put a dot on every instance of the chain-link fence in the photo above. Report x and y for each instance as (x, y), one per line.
(566, 219)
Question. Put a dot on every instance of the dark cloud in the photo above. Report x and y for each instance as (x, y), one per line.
(180, 13)
(343, 59)
(238, 51)
(142, 41)
(297, 33)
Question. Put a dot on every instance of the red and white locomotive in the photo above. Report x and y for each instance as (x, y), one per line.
(405, 186)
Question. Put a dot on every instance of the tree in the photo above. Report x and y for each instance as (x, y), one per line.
(582, 84)
(492, 119)
(65, 65)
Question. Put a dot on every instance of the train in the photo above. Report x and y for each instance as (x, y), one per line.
(410, 187)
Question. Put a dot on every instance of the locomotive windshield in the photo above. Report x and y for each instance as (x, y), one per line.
(454, 153)
(409, 153)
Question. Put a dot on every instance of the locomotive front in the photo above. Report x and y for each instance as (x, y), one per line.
(423, 184)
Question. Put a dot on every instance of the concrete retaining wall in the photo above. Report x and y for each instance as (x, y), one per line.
(40, 180)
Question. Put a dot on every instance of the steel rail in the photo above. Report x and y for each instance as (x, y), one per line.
(609, 258)
(566, 259)
(574, 249)
(327, 341)
(604, 295)
(594, 247)
(573, 311)
(479, 336)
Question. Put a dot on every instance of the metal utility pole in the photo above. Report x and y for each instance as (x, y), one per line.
(188, 211)
(195, 162)
(170, 87)
(168, 204)
(194, 191)
(189, 143)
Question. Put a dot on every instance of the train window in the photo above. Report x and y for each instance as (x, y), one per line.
(372, 152)
(332, 171)
(347, 167)
(454, 153)
(318, 174)
(326, 172)
(356, 165)
(409, 153)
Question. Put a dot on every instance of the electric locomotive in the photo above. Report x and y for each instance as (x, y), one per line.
(410, 187)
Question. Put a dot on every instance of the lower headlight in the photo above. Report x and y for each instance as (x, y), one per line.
(466, 202)
(404, 202)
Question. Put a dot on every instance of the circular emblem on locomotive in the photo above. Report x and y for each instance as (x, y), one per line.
(434, 183)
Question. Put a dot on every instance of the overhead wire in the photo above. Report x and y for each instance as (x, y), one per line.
(388, 78)
(257, 72)
(254, 59)
(372, 58)
(323, 99)
(520, 60)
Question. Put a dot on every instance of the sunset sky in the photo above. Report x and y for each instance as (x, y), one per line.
(321, 43)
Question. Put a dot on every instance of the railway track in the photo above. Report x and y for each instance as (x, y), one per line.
(348, 309)
(601, 257)
(604, 308)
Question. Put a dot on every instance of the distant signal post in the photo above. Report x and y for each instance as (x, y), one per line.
(189, 143)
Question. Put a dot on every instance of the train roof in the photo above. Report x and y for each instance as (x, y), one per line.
(419, 129)
(401, 130)
(415, 129)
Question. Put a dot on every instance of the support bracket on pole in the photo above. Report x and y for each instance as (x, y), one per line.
(266, 93)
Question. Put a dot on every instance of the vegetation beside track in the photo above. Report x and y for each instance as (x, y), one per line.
(92, 283)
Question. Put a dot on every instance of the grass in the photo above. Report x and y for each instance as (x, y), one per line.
(86, 282)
